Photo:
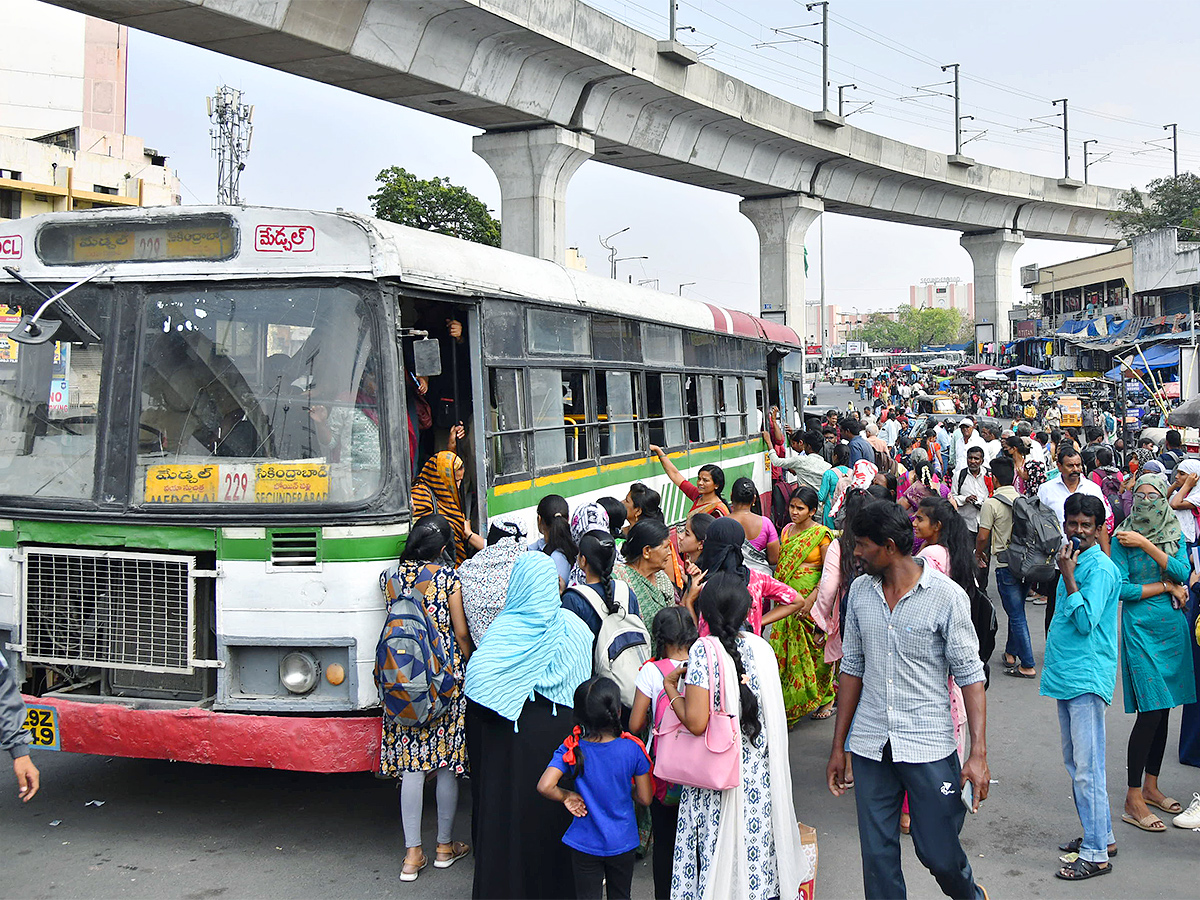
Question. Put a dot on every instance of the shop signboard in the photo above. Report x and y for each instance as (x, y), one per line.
(1027, 328)
(1071, 411)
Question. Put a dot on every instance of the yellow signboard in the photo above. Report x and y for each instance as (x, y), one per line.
(181, 484)
(1071, 411)
(304, 482)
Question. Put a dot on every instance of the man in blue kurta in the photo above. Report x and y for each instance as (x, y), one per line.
(1080, 672)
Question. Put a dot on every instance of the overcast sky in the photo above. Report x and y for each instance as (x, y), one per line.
(1127, 68)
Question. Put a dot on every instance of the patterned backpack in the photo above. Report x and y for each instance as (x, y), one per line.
(412, 666)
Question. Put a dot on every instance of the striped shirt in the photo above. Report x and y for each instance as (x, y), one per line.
(904, 657)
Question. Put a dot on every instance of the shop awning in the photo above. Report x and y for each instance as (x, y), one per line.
(1160, 357)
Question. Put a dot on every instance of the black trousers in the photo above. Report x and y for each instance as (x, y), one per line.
(937, 818)
(664, 820)
(591, 873)
(1147, 745)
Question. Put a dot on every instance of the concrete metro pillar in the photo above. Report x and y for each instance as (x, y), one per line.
(992, 254)
(534, 168)
(781, 223)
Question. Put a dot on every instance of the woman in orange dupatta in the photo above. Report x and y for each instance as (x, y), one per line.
(436, 491)
(798, 643)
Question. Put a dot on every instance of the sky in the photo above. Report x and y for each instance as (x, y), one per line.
(1126, 69)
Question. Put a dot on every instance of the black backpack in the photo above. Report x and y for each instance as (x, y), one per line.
(1036, 540)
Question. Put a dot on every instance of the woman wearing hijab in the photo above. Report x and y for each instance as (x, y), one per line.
(520, 687)
(589, 517)
(723, 553)
(1156, 654)
(436, 491)
(485, 576)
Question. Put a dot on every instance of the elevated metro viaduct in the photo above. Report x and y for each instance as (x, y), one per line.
(553, 83)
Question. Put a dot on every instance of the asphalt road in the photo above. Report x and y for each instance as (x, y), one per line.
(173, 830)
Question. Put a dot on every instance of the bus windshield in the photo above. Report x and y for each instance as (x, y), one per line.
(258, 394)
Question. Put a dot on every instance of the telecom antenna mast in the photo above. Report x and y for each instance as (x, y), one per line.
(230, 135)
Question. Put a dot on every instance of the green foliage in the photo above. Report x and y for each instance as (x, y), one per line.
(434, 205)
(1167, 202)
(914, 329)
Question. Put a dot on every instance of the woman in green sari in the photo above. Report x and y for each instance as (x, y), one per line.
(798, 643)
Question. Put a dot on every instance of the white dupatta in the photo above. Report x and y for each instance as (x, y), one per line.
(728, 875)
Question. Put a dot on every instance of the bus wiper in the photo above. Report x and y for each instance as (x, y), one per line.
(36, 330)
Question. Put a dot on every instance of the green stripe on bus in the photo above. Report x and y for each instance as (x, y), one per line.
(140, 537)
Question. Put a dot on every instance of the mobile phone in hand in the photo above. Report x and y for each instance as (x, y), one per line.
(1075, 543)
(968, 797)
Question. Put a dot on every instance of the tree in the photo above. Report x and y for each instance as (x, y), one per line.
(914, 328)
(1167, 202)
(434, 205)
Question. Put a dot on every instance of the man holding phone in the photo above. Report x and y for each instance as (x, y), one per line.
(1080, 672)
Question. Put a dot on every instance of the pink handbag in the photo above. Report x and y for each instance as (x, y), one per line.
(711, 760)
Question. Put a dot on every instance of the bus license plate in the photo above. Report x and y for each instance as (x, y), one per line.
(42, 723)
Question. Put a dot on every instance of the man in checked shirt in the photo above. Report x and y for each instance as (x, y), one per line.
(907, 628)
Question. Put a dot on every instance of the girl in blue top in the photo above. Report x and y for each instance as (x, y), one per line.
(603, 835)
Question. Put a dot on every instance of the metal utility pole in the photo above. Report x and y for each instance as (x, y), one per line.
(612, 251)
(1085, 158)
(1066, 140)
(230, 135)
(671, 16)
(686, 284)
(1174, 145)
(841, 88)
(822, 333)
(824, 4)
(957, 114)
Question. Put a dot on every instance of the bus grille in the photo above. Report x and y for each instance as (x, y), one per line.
(108, 609)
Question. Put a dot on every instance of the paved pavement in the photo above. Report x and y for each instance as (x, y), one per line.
(174, 830)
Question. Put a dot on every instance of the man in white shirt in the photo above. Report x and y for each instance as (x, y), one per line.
(891, 429)
(810, 466)
(969, 492)
(965, 437)
(991, 441)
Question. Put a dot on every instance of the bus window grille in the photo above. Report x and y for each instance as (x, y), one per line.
(108, 609)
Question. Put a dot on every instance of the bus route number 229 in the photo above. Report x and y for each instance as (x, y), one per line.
(236, 484)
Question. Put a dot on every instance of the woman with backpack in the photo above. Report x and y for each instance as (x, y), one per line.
(409, 752)
(674, 633)
(743, 842)
(597, 557)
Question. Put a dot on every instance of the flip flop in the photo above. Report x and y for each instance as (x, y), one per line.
(1081, 869)
(457, 851)
(818, 715)
(1151, 823)
(1073, 847)
(1168, 805)
(1017, 673)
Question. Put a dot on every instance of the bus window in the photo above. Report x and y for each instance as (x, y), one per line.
(616, 398)
(662, 345)
(559, 333)
(616, 339)
(664, 407)
(507, 415)
(702, 409)
(259, 395)
(730, 405)
(559, 407)
(755, 405)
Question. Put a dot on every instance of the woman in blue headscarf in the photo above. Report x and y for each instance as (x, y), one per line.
(520, 687)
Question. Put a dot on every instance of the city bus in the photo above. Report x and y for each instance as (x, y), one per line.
(209, 420)
(876, 360)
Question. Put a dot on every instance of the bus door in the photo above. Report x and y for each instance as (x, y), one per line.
(775, 392)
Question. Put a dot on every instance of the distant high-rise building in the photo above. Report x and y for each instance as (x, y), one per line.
(63, 144)
(943, 293)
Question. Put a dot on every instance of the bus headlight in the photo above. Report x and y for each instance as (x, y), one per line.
(298, 672)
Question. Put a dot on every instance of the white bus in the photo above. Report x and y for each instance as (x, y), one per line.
(205, 465)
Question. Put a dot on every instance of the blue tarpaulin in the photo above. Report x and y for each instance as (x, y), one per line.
(1161, 357)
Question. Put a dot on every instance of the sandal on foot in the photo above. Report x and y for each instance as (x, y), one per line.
(1081, 869)
(826, 711)
(1017, 673)
(1073, 847)
(456, 852)
(1168, 805)
(1151, 823)
(1009, 660)
(406, 875)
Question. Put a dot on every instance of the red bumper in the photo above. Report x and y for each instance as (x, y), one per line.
(223, 739)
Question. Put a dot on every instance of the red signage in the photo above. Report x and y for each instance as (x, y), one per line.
(812, 349)
(285, 239)
(10, 246)
(1026, 329)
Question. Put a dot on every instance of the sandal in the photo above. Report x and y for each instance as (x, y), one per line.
(1009, 660)
(1080, 869)
(1168, 805)
(1017, 673)
(407, 875)
(827, 710)
(1151, 823)
(1073, 847)
(456, 852)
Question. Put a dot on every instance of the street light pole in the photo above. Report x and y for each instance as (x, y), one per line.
(841, 88)
(686, 284)
(612, 251)
(1085, 158)
(824, 4)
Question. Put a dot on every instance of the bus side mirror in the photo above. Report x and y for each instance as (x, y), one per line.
(427, 358)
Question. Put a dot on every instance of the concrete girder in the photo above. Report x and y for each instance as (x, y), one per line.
(521, 63)
(534, 168)
(781, 223)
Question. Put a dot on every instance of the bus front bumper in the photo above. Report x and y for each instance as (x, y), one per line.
(303, 744)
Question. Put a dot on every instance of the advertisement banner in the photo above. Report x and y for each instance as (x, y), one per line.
(1071, 410)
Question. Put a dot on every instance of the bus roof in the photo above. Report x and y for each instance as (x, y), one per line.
(279, 242)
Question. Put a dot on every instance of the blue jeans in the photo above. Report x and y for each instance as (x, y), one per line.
(1012, 596)
(1081, 721)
